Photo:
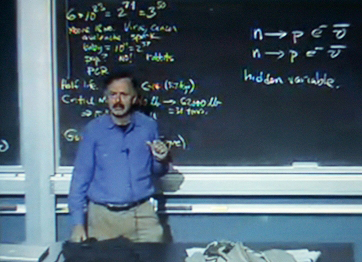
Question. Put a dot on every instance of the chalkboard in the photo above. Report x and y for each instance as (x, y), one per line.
(231, 83)
(9, 108)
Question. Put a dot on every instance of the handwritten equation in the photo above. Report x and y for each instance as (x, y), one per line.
(125, 9)
(85, 93)
(337, 32)
(4, 145)
(118, 34)
(72, 135)
(186, 105)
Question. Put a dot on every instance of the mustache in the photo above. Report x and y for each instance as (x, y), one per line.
(118, 105)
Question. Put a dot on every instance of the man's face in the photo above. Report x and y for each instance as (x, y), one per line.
(121, 97)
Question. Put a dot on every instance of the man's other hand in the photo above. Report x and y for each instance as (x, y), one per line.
(78, 234)
(159, 149)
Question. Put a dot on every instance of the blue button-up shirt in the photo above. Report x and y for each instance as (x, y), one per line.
(114, 165)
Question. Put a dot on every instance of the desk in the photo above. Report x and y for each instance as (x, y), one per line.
(175, 252)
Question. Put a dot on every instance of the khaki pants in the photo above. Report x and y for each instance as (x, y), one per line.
(138, 224)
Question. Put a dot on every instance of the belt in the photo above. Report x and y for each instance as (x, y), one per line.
(125, 207)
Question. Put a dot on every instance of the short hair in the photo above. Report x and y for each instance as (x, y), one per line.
(119, 75)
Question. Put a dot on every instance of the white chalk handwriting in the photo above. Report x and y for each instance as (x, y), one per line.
(330, 50)
(99, 11)
(187, 87)
(4, 146)
(72, 135)
(317, 79)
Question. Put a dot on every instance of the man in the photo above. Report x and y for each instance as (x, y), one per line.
(119, 154)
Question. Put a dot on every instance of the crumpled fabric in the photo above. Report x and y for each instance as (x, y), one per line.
(226, 251)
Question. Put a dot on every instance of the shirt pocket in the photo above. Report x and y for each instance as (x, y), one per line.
(105, 154)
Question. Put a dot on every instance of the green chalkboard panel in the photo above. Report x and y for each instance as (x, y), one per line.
(232, 83)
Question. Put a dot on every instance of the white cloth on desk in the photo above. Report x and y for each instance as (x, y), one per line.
(304, 255)
(298, 255)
